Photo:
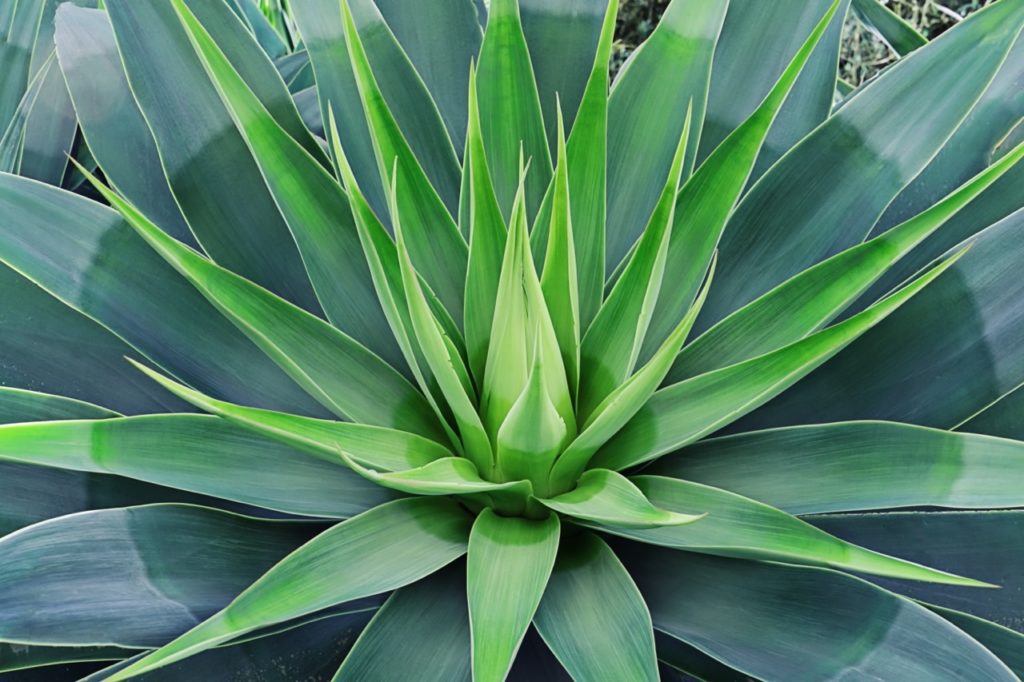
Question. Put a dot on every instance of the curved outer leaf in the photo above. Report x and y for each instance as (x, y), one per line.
(510, 109)
(739, 527)
(857, 465)
(989, 545)
(1005, 643)
(441, 39)
(607, 497)
(684, 412)
(814, 297)
(336, 370)
(651, 94)
(846, 172)
(593, 617)
(1001, 418)
(447, 476)
(49, 129)
(382, 549)
(310, 200)
(741, 77)
(18, 405)
(388, 449)
(508, 565)
(15, 657)
(707, 199)
(889, 26)
(422, 627)
(890, 373)
(111, 121)
(210, 170)
(678, 659)
(116, 577)
(824, 625)
(17, 37)
(201, 454)
(85, 255)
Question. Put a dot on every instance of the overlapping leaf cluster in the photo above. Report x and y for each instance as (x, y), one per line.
(541, 376)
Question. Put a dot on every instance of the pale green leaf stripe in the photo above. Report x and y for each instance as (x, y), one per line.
(510, 109)
(341, 374)
(487, 234)
(201, 454)
(812, 298)
(706, 201)
(387, 449)
(671, 68)
(611, 346)
(507, 569)
(889, 26)
(382, 549)
(738, 527)
(435, 243)
(311, 202)
(593, 617)
(857, 465)
(684, 412)
(609, 498)
(447, 476)
(624, 402)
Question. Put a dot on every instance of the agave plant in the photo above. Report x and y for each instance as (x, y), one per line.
(428, 355)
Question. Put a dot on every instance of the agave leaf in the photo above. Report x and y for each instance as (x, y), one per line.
(507, 568)
(889, 26)
(12, 140)
(738, 527)
(812, 298)
(1000, 418)
(436, 246)
(521, 328)
(379, 550)
(200, 454)
(593, 617)
(706, 201)
(49, 128)
(212, 173)
(647, 110)
(606, 497)
(100, 593)
(684, 412)
(510, 110)
(266, 35)
(801, 605)
(979, 355)
(18, 657)
(19, 405)
(445, 362)
(447, 476)
(1005, 643)
(857, 465)
(559, 281)
(387, 449)
(986, 544)
(430, 620)
(107, 273)
(335, 369)
(310, 200)
(624, 402)
(118, 136)
(587, 157)
(487, 235)
(900, 121)
(611, 346)
(20, 27)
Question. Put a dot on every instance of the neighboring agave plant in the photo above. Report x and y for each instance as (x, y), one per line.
(568, 352)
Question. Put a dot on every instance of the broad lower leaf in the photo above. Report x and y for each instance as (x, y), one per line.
(606, 497)
(1005, 643)
(117, 576)
(422, 627)
(682, 413)
(508, 566)
(647, 110)
(857, 465)
(999, 418)
(897, 124)
(204, 455)
(382, 549)
(593, 617)
(736, 526)
(824, 625)
(510, 109)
